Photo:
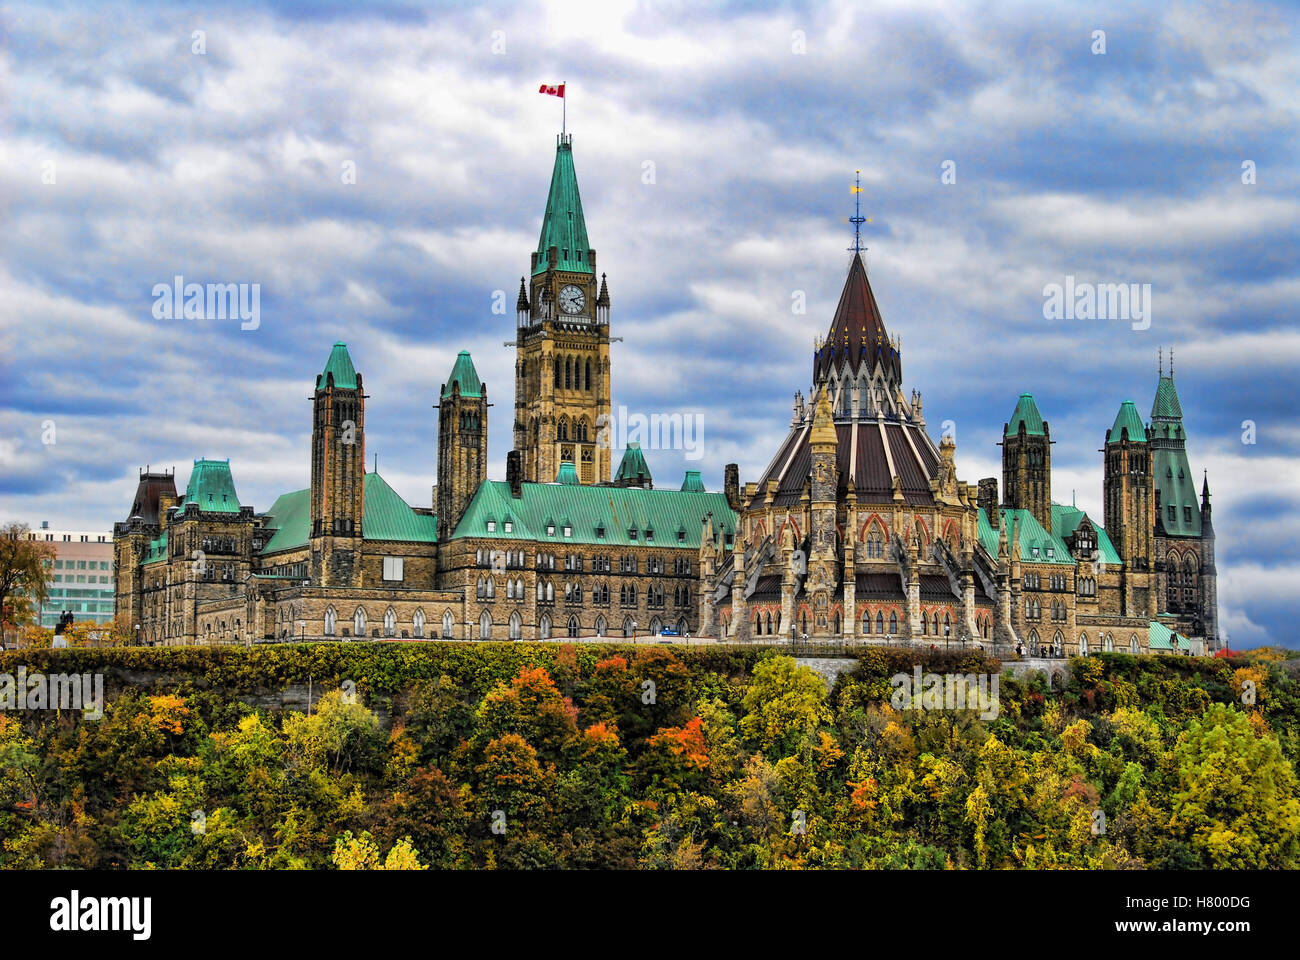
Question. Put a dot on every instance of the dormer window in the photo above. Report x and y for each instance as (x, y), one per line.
(550, 529)
(649, 535)
(1051, 552)
(491, 526)
(681, 536)
(631, 533)
(1035, 551)
(568, 531)
(509, 526)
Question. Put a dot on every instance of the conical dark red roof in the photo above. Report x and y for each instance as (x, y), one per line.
(857, 333)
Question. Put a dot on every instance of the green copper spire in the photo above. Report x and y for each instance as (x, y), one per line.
(1128, 417)
(1026, 413)
(339, 364)
(1180, 512)
(1166, 405)
(563, 226)
(463, 373)
(633, 468)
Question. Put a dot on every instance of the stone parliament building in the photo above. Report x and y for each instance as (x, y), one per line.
(858, 529)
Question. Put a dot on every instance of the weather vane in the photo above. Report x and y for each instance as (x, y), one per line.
(857, 219)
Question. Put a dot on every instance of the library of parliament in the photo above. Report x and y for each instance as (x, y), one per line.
(858, 530)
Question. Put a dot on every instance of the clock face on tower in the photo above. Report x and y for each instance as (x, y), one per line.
(571, 299)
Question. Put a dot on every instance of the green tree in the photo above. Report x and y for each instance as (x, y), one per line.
(784, 704)
(1235, 801)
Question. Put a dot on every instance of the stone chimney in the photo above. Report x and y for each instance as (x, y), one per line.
(515, 473)
(731, 485)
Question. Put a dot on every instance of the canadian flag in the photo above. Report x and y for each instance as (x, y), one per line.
(555, 91)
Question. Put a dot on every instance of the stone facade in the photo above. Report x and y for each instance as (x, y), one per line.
(858, 530)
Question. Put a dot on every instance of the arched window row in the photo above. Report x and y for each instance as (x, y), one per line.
(391, 624)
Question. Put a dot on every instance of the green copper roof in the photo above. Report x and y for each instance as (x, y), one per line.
(1180, 508)
(633, 465)
(618, 516)
(1026, 413)
(290, 518)
(1160, 637)
(339, 364)
(1065, 520)
(464, 373)
(563, 226)
(157, 549)
(987, 535)
(692, 482)
(387, 517)
(567, 472)
(1166, 405)
(1128, 417)
(1051, 549)
(211, 487)
(1176, 489)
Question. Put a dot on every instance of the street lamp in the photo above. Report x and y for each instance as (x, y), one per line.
(302, 630)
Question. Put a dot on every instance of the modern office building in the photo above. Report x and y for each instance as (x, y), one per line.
(83, 574)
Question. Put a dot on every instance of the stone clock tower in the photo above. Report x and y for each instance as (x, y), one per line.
(562, 343)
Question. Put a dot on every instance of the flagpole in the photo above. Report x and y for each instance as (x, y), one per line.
(564, 110)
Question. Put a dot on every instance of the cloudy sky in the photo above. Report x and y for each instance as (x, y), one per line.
(714, 150)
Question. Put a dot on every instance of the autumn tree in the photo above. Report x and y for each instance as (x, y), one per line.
(1236, 800)
(25, 566)
(784, 705)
